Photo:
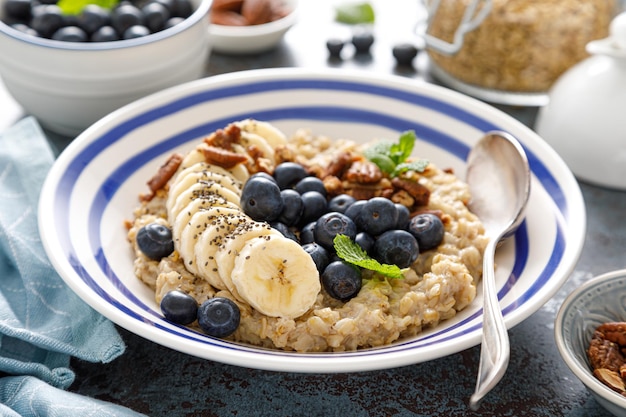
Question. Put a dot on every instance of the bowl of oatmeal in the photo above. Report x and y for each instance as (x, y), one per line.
(92, 210)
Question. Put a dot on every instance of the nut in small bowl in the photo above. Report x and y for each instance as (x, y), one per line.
(595, 314)
(250, 26)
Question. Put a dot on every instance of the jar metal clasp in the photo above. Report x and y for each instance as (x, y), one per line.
(473, 16)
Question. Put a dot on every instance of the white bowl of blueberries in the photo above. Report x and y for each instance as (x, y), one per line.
(71, 62)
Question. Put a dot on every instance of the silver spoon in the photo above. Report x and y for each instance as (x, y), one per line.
(498, 176)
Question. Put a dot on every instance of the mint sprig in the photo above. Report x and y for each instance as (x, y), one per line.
(351, 252)
(392, 157)
(355, 13)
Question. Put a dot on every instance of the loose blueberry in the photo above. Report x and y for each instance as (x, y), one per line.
(378, 215)
(181, 8)
(70, 34)
(155, 241)
(219, 317)
(332, 224)
(341, 281)
(396, 247)
(362, 42)
(311, 184)
(173, 21)
(292, 207)
(335, 46)
(287, 174)
(319, 254)
(314, 206)
(93, 17)
(179, 307)
(261, 200)
(404, 215)
(427, 229)
(47, 19)
(18, 9)
(404, 53)
(340, 203)
(25, 29)
(365, 241)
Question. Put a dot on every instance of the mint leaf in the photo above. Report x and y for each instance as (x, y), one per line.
(391, 157)
(354, 14)
(351, 252)
(417, 166)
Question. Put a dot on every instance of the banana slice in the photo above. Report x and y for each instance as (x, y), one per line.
(266, 130)
(209, 243)
(276, 277)
(220, 195)
(207, 178)
(206, 171)
(252, 139)
(182, 218)
(233, 242)
(191, 233)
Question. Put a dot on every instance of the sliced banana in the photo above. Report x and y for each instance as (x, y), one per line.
(233, 242)
(266, 130)
(221, 196)
(252, 139)
(208, 245)
(276, 277)
(191, 233)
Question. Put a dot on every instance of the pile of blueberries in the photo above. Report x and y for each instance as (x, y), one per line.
(127, 20)
(297, 205)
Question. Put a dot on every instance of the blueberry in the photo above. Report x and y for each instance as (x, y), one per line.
(365, 241)
(93, 17)
(335, 46)
(362, 42)
(47, 19)
(354, 209)
(181, 8)
(18, 9)
(287, 174)
(261, 200)
(404, 53)
(105, 34)
(25, 29)
(124, 16)
(330, 225)
(179, 307)
(307, 234)
(320, 255)
(219, 317)
(155, 241)
(154, 16)
(396, 247)
(341, 281)
(314, 206)
(173, 21)
(292, 207)
(135, 31)
(70, 34)
(311, 184)
(404, 215)
(262, 175)
(427, 229)
(378, 215)
(340, 203)
(284, 230)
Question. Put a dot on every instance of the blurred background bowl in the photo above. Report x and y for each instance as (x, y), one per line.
(252, 39)
(599, 300)
(68, 86)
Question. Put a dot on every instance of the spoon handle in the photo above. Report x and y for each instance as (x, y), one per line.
(495, 349)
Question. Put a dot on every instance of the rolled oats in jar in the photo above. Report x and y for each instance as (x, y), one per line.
(522, 45)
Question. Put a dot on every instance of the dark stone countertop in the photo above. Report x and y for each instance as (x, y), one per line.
(158, 381)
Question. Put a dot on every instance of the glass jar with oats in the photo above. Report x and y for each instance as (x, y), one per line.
(519, 48)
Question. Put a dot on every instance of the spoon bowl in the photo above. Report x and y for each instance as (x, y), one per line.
(498, 175)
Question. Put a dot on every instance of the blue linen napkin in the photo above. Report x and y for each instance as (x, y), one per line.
(42, 322)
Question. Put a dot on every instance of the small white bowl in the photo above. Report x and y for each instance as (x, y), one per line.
(253, 39)
(68, 86)
(599, 300)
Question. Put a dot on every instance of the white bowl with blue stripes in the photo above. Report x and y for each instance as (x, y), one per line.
(94, 185)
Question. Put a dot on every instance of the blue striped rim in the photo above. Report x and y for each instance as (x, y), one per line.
(322, 113)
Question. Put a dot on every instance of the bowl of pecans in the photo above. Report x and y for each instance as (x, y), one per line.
(590, 333)
(249, 26)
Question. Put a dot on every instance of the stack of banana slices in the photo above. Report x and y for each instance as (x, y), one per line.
(218, 242)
